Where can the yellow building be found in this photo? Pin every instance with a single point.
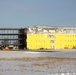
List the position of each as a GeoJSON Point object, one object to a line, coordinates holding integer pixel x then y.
{"type": "Point", "coordinates": [51, 38]}
{"type": "Point", "coordinates": [38, 41]}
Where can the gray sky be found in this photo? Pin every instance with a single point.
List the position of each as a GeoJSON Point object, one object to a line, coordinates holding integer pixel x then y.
{"type": "Point", "coordinates": [23, 13]}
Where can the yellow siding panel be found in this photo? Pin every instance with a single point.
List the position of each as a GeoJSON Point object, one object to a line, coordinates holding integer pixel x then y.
{"type": "Point", "coordinates": [61, 41]}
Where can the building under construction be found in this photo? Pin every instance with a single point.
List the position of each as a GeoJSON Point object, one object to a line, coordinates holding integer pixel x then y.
{"type": "Point", "coordinates": [13, 38]}
{"type": "Point", "coordinates": [50, 37]}
{"type": "Point", "coordinates": [38, 37]}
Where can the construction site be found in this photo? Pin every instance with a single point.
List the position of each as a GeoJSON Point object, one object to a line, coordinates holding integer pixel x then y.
{"type": "Point", "coordinates": [38, 50]}
{"type": "Point", "coordinates": [38, 38]}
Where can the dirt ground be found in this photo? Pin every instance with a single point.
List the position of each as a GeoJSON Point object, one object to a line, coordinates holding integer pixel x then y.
{"type": "Point", "coordinates": [37, 66]}
{"type": "Point", "coordinates": [37, 63]}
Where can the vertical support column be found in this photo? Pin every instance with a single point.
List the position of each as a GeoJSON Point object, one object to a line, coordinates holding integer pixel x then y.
{"type": "Point", "coordinates": [21, 38]}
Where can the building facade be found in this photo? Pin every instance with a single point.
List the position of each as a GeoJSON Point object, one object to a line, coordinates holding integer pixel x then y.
{"type": "Point", "coordinates": [13, 38]}
{"type": "Point", "coordinates": [47, 37]}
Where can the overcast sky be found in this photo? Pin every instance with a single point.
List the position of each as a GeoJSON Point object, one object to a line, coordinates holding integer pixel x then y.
{"type": "Point", "coordinates": [23, 13]}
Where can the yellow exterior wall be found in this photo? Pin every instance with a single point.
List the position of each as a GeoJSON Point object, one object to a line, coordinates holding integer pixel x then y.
{"type": "Point", "coordinates": [58, 41]}
{"type": "Point", "coordinates": [64, 41]}
{"type": "Point", "coordinates": [37, 41]}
